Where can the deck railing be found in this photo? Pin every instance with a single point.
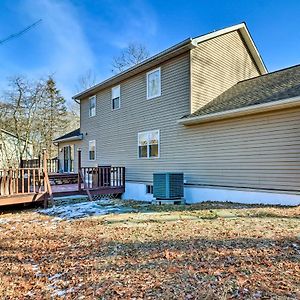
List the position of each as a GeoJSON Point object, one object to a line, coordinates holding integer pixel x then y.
{"type": "Point", "coordinates": [53, 165]}
{"type": "Point", "coordinates": [30, 182]}
{"type": "Point", "coordinates": [30, 163]}
{"type": "Point", "coordinates": [22, 181]}
{"type": "Point", "coordinates": [103, 177]}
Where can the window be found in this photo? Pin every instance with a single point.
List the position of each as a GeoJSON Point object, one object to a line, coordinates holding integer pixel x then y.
{"type": "Point", "coordinates": [115, 97]}
{"type": "Point", "coordinates": [92, 150]}
{"type": "Point", "coordinates": [149, 189]}
{"type": "Point", "coordinates": [92, 106]}
{"type": "Point", "coordinates": [148, 143]}
{"type": "Point", "coordinates": [153, 84]}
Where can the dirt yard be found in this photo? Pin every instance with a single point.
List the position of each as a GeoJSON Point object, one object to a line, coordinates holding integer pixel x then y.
{"type": "Point", "coordinates": [138, 251]}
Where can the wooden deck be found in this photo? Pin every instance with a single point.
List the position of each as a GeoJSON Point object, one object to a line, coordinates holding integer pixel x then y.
{"type": "Point", "coordinates": [72, 189]}
{"type": "Point", "coordinates": [38, 180]}
{"type": "Point", "coordinates": [23, 185]}
{"type": "Point", "coordinates": [24, 198]}
{"type": "Point", "coordinates": [93, 181]}
{"type": "Point", "coordinates": [31, 185]}
{"type": "Point", "coordinates": [63, 178]}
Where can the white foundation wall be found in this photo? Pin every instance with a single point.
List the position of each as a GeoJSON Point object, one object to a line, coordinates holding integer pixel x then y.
{"type": "Point", "coordinates": [137, 191]}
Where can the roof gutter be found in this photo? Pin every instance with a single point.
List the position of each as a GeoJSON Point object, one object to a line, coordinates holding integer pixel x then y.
{"type": "Point", "coordinates": [148, 63]}
{"type": "Point", "coordinates": [253, 109]}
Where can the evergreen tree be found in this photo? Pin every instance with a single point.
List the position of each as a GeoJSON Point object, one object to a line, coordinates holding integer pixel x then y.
{"type": "Point", "coordinates": [53, 116]}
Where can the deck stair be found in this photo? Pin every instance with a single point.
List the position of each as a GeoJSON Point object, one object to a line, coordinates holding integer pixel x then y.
{"type": "Point", "coordinates": [63, 178]}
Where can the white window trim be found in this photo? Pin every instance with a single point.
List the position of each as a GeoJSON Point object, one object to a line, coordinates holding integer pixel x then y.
{"type": "Point", "coordinates": [150, 187]}
{"type": "Point", "coordinates": [90, 98]}
{"type": "Point", "coordinates": [91, 141]}
{"type": "Point", "coordinates": [112, 107]}
{"type": "Point", "coordinates": [148, 73]}
{"type": "Point", "coordinates": [138, 149]}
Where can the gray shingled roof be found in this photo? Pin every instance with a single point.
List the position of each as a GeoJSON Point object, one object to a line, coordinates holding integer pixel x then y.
{"type": "Point", "coordinates": [271, 87]}
{"type": "Point", "coordinates": [73, 133]}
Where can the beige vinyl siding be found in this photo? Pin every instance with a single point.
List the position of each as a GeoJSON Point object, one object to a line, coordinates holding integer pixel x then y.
{"type": "Point", "coordinates": [259, 151]}
{"type": "Point", "coordinates": [218, 64]}
{"type": "Point", "coordinates": [117, 131]}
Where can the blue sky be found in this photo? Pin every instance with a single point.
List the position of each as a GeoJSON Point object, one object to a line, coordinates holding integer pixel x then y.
{"type": "Point", "coordinates": [76, 36]}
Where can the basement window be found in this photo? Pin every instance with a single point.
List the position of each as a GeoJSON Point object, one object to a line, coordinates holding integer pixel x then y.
{"type": "Point", "coordinates": [149, 189]}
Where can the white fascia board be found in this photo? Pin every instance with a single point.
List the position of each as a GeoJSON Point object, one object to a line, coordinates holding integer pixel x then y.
{"type": "Point", "coordinates": [70, 139]}
{"type": "Point", "coordinates": [216, 33]}
{"type": "Point", "coordinates": [253, 109]}
{"type": "Point", "coordinates": [253, 50]}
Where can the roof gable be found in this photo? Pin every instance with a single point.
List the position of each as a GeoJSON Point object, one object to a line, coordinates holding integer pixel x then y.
{"type": "Point", "coordinates": [271, 87]}
{"type": "Point", "coordinates": [173, 51]}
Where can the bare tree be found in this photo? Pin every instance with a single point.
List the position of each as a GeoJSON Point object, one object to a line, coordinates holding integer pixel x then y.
{"type": "Point", "coordinates": [132, 55]}
{"type": "Point", "coordinates": [4, 109]}
{"type": "Point", "coordinates": [73, 116]}
{"type": "Point", "coordinates": [34, 111]}
{"type": "Point", "coordinates": [86, 80]}
{"type": "Point", "coordinates": [23, 98]}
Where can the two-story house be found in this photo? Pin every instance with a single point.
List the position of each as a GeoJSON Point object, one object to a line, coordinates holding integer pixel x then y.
{"type": "Point", "coordinates": [206, 107]}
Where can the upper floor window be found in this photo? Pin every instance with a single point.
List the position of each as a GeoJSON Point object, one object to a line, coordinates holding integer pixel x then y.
{"type": "Point", "coordinates": [115, 97]}
{"type": "Point", "coordinates": [92, 106]}
{"type": "Point", "coordinates": [92, 150]}
{"type": "Point", "coordinates": [148, 143]}
{"type": "Point", "coordinates": [153, 84]}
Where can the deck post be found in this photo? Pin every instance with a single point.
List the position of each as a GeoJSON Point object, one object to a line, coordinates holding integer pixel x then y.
{"type": "Point", "coordinates": [57, 165]}
{"type": "Point", "coordinates": [79, 168]}
{"type": "Point", "coordinates": [21, 162]}
{"type": "Point", "coordinates": [46, 180]}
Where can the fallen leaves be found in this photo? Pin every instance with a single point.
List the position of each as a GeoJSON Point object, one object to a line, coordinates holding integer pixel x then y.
{"type": "Point", "coordinates": [244, 253]}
